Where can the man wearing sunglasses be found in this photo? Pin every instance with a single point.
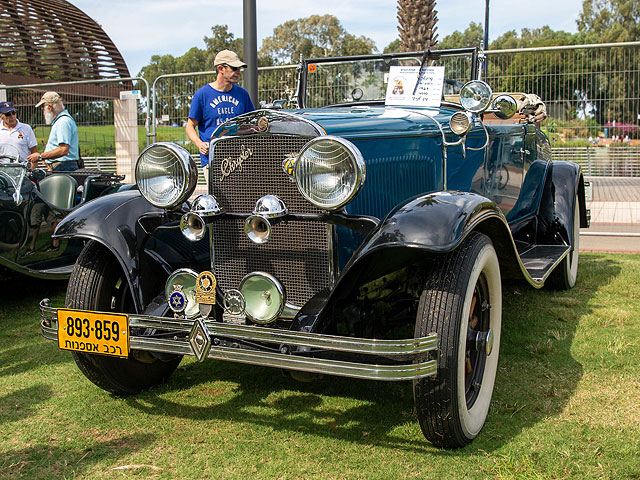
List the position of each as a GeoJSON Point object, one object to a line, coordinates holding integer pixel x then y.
{"type": "Point", "coordinates": [217, 102]}
{"type": "Point", "coordinates": [16, 133]}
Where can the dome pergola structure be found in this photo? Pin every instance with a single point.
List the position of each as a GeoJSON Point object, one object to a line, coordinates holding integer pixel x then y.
{"type": "Point", "coordinates": [52, 40]}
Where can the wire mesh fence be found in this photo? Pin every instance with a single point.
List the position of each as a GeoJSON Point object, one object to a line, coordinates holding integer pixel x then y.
{"type": "Point", "coordinates": [592, 92]}
{"type": "Point", "coordinates": [92, 104]}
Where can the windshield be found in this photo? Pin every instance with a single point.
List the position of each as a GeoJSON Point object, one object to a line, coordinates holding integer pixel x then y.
{"type": "Point", "coordinates": [364, 79]}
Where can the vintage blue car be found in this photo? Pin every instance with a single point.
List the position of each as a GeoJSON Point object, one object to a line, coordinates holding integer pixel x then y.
{"type": "Point", "coordinates": [350, 236]}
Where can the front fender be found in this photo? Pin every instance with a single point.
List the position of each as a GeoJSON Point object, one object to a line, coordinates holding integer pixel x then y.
{"type": "Point", "coordinates": [436, 222]}
{"type": "Point", "coordinates": [113, 221]}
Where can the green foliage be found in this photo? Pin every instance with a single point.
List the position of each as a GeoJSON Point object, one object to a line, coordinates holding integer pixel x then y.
{"type": "Point", "coordinates": [470, 37]}
{"type": "Point", "coordinates": [314, 36]}
{"type": "Point", "coordinates": [610, 20]}
{"type": "Point", "coordinates": [393, 47]}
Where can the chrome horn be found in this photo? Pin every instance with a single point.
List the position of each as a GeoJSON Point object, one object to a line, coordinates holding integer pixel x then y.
{"type": "Point", "coordinates": [257, 227]}
{"type": "Point", "coordinates": [193, 224]}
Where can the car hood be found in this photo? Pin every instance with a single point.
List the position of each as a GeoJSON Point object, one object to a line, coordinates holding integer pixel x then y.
{"type": "Point", "coordinates": [378, 121]}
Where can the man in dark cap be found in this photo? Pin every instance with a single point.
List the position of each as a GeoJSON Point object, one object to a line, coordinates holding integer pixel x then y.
{"type": "Point", "coordinates": [217, 102]}
{"type": "Point", "coordinates": [16, 133]}
{"type": "Point", "coordinates": [62, 151]}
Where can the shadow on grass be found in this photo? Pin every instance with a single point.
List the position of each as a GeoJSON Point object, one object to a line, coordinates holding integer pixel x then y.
{"type": "Point", "coordinates": [22, 346]}
{"type": "Point", "coordinates": [537, 377]}
{"type": "Point", "coordinates": [47, 461]}
{"type": "Point", "coordinates": [22, 403]}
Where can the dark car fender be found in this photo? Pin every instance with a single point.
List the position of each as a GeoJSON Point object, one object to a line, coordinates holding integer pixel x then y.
{"type": "Point", "coordinates": [117, 222]}
{"type": "Point", "coordinates": [568, 184]}
{"type": "Point", "coordinates": [425, 226]}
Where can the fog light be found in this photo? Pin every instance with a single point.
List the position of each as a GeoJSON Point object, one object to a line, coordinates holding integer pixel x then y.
{"type": "Point", "coordinates": [183, 280]}
{"type": "Point", "coordinates": [264, 296]}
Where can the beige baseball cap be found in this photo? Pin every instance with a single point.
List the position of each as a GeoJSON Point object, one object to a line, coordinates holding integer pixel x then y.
{"type": "Point", "coordinates": [49, 98]}
{"type": "Point", "coordinates": [227, 57]}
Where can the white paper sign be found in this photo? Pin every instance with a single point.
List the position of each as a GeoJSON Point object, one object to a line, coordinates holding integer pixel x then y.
{"type": "Point", "coordinates": [165, 117]}
{"type": "Point", "coordinates": [130, 95]}
{"type": "Point", "coordinates": [404, 87]}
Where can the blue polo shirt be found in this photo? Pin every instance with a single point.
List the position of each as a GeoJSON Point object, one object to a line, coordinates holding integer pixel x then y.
{"type": "Point", "coordinates": [63, 130]}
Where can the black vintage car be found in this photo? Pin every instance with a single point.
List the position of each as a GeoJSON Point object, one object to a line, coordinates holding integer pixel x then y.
{"type": "Point", "coordinates": [350, 236]}
{"type": "Point", "coordinates": [32, 203]}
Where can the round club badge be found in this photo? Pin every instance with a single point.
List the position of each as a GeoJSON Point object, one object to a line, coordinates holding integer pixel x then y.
{"type": "Point", "coordinates": [177, 299]}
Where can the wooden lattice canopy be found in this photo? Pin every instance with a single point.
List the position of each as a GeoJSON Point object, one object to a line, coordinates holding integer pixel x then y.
{"type": "Point", "coordinates": [51, 40]}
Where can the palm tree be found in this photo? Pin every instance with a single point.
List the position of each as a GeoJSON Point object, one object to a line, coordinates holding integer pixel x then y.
{"type": "Point", "coordinates": [417, 19]}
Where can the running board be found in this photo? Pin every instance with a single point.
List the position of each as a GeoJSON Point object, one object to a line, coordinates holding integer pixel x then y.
{"type": "Point", "coordinates": [541, 259]}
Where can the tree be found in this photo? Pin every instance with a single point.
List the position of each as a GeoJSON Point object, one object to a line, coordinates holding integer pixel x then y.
{"type": "Point", "coordinates": [610, 20]}
{"type": "Point", "coordinates": [314, 36]}
{"type": "Point", "coordinates": [221, 39]}
{"type": "Point", "coordinates": [417, 19]}
{"type": "Point", "coordinates": [393, 47]}
{"type": "Point", "coordinates": [471, 37]}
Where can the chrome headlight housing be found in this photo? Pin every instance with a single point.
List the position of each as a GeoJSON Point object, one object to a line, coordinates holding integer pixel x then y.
{"type": "Point", "coordinates": [166, 174]}
{"type": "Point", "coordinates": [475, 96]}
{"type": "Point", "coordinates": [460, 123]}
{"type": "Point", "coordinates": [329, 172]}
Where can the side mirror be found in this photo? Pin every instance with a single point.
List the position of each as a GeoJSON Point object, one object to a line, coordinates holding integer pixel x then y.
{"type": "Point", "coordinates": [504, 107]}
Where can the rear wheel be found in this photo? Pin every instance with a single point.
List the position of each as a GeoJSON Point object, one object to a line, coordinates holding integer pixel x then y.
{"type": "Point", "coordinates": [462, 303]}
{"type": "Point", "coordinates": [98, 283]}
{"type": "Point", "coordinates": [565, 275]}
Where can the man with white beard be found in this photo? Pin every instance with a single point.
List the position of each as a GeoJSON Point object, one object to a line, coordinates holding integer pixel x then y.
{"type": "Point", "coordinates": [61, 153]}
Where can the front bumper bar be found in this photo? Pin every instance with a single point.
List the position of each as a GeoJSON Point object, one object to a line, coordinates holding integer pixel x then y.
{"type": "Point", "coordinates": [288, 344]}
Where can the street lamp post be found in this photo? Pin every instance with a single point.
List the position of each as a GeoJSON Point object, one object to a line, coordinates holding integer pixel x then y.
{"type": "Point", "coordinates": [250, 47]}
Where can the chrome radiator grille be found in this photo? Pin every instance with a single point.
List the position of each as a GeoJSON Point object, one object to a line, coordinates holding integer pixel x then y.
{"type": "Point", "coordinates": [297, 253]}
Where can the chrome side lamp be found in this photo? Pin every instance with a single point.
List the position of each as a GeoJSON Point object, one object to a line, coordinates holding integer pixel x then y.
{"type": "Point", "coordinates": [204, 209]}
{"type": "Point", "coordinates": [257, 227]}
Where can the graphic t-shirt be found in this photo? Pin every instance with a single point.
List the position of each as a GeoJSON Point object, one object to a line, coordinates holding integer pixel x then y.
{"type": "Point", "coordinates": [21, 136]}
{"type": "Point", "coordinates": [211, 108]}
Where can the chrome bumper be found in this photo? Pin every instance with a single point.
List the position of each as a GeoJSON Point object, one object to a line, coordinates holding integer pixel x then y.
{"type": "Point", "coordinates": [283, 340]}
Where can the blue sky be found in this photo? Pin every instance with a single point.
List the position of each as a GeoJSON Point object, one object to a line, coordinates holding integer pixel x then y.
{"type": "Point", "coordinates": [141, 28]}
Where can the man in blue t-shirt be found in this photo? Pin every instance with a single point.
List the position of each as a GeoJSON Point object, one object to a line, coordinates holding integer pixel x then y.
{"type": "Point", "coordinates": [217, 102]}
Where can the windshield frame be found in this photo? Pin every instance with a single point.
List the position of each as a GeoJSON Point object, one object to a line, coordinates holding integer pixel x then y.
{"type": "Point", "coordinates": [426, 56]}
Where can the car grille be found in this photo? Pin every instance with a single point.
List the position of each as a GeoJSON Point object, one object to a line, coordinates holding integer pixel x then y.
{"type": "Point", "coordinates": [297, 253]}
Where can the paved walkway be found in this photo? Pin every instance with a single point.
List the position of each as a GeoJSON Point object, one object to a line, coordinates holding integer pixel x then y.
{"type": "Point", "coordinates": [615, 216]}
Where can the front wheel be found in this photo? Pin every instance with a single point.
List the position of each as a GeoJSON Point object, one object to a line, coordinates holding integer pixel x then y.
{"type": "Point", "coordinates": [97, 283]}
{"type": "Point", "coordinates": [462, 303]}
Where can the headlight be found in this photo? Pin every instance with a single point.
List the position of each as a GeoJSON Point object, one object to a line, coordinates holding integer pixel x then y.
{"type": "Point", "coordinates": [475, 96]}
{"type": "Point", "coordinates": [166, 174]}
{"type": "Point", "coordinates": [460, 123]}
{"type": "Point", "coordinates": [329, 172]}
{"type": "Point", "coordinates": [180, 292]}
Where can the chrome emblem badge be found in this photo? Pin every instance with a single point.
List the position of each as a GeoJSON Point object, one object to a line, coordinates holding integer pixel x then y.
{"type": "Point", "coordinates": [289, 165]}
{"type": "Point", "coordinates": [230, 165]}
{"type": "Point", "coordinates": [263, 124]}
{"type": "Point", "coordinates": [206, 288]}
{"type": "Point", "coordinates": [234, 302]}
{"type": "Point", "coordinates": [177, 299]}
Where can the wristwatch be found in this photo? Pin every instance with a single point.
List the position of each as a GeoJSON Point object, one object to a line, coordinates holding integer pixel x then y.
{"type": "Point", "coordinates": [39, 157]}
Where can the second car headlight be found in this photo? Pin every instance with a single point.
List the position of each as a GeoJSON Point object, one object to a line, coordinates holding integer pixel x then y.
{"type": "Point", "coordinates": [475, 96]}
{"type": "Point", "coordinates": [166, 174]}
{"type": "Point", "coordinates": [329, 172]}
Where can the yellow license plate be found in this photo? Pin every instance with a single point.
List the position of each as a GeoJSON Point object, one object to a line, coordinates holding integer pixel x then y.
{"type": "Point", "coordinates": [93, 332]}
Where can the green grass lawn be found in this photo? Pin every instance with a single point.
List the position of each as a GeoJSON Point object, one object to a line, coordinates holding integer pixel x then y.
{"type": "Point", "coordinates": [566, 404]}
{"type": "Point", "coordinates": [100, 140]}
